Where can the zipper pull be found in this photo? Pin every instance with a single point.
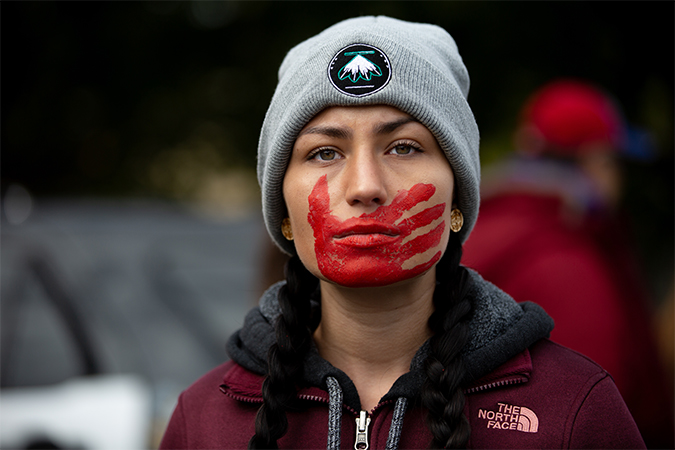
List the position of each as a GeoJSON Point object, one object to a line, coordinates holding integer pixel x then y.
{"type": "Point", "coordinates": [362, 423]}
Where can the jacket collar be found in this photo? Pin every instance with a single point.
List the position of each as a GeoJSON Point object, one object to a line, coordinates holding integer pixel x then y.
{"type": "Point", "coordinates": [244, 385]}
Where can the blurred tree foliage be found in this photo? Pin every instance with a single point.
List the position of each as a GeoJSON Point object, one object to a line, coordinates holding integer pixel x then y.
{"type": "Point", "coordinates": [163, 98]}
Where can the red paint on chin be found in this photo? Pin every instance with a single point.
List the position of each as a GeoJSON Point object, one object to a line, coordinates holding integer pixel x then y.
{"type": "Point", "coordinates": [368, 250]}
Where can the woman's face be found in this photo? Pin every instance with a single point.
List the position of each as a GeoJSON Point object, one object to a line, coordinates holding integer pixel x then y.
{"type": "Point", "coordinates": [369, 194]}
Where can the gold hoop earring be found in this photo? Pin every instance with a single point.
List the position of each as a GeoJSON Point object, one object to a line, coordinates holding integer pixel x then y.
{"type": "Point", "coordinates": [286, 229]}
{"type": "Point", "coordinates": [456, 220]}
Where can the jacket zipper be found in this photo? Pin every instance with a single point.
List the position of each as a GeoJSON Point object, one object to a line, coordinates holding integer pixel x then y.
{"type": "Point", "coordinates": [243, 398]}
{"type": "Point", "coordinates": [314, 398]}
{"type": "Point", "coordinates": [362, 423]}
{"type": "Point", "coordinates": [495, 384]}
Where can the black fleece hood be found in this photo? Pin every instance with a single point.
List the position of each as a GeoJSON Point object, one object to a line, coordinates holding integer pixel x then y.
{"type": "Point", "coordinates": [500, 329]}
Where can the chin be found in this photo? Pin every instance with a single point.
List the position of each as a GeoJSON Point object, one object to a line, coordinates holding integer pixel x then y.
{"type": "Point", "coordinates": [372, 272]}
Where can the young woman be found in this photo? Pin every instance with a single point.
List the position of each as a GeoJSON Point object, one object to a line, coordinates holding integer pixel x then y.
{"type": "Point", "coordinates": [378, 338]}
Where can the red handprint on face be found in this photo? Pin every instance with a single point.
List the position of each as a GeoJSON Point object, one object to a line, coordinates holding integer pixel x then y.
{"type": "Point", "coordinates": [369, 250]}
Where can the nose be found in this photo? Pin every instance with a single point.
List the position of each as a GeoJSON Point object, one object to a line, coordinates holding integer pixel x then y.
{"type": "Point", "coordinates": [365, 180]}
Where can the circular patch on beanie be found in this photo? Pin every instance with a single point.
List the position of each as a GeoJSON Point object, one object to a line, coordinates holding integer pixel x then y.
{"type": "Point", "coordinates": [359, 69]}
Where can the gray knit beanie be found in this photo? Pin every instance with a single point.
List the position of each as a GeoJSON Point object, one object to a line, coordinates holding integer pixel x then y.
{"type": "Point", "coordinates": [365, 61]}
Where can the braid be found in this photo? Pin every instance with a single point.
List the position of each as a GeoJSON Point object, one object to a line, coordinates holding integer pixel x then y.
{"type": "Point", "coordinates": [442, 393]}
{"type": "Point", "coordinates": [285, 358]}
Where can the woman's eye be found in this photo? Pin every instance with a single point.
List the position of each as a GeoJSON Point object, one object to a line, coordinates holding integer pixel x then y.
{"type": "Point", "coordinates": [403, 149]}
{"type": "Point", "coordinates": [325, 155]}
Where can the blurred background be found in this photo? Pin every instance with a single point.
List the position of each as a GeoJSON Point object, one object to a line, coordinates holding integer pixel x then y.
{"type": "Point", "coordinates": [132, 241]}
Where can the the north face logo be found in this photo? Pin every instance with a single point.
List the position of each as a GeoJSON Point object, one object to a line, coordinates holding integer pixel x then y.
{"type": "Point", "coordinates": [510, 417]}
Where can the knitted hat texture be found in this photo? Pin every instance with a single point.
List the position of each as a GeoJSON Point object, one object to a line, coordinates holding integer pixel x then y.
{"type": "Point", "coordinates": [369, 61]}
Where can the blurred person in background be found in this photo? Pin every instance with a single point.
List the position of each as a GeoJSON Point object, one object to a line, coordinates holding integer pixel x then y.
{"type": "Point", "coordinates": [551, 231]}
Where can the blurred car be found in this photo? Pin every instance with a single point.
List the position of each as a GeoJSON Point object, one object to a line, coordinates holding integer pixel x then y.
{"type": "Point", "coordinates": [109, 309]}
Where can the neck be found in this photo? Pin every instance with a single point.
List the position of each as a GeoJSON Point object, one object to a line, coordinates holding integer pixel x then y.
{"type": "Point", "coordinates": [386, 326]}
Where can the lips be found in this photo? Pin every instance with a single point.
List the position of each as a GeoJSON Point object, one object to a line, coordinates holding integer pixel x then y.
{"type": "Point", "coordinates": [365, 233]}
{"type": "Point", "coordinates": [369, 250]}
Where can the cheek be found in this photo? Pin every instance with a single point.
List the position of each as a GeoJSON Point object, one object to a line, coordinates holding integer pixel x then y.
{"type": "Point", "coordinates": [297, 208]}
{"type": "Point", "coordinates": [304, 246]}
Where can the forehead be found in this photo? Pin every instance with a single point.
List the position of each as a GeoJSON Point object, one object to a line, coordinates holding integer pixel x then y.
{"type": "Point", "coordinates": [343, 122]}
{"type": "Point", "coordinates": [358, 114]}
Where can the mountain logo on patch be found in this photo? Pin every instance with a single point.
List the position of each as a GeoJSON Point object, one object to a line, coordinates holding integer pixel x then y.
{"type": "Point", "coordinates": [359, 70]}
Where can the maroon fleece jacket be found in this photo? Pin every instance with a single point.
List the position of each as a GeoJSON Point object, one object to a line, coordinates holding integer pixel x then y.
{"type": "Point", "coordinates": [523, 391]}
{"type": "Point", "coordinates": [545, 397]}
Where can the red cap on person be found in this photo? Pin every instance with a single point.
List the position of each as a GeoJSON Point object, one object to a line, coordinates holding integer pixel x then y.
{"type": "Point", "coordinates": [570, 117]}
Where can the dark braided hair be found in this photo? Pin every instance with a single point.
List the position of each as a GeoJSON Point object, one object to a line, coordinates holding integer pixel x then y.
{"type": "Point", "coordinates": [285, 359]}
{"type": "Point", "coordinates": [442, 393]}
